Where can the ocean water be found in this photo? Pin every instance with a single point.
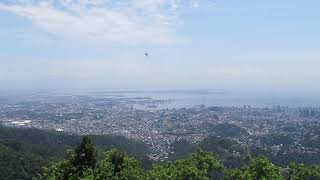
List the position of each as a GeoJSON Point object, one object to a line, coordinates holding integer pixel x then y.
{"type": "Point", "coordinates": [181, 99]}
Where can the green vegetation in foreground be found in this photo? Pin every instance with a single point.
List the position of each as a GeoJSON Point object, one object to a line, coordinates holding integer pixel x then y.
{"type": "Point", "coordinates": [23, 152]}
{"type": "Point", "coordinates": [82, 163]}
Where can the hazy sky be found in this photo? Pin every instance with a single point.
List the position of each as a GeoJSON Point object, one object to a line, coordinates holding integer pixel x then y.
{"type": "Point", "coordinates": [250, 44]}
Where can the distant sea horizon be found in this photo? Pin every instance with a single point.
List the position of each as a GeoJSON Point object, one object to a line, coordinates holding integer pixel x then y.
{"type": "Point", "coordinates": [182, 98]}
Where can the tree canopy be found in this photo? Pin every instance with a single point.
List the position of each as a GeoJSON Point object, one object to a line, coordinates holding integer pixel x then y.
{"type": "Point", "coordinates": [82, 163]}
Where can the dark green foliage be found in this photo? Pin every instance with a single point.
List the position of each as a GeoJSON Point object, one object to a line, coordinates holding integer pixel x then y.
{"type": "Point", "coordinates": [23, 152]}
{"type": "Point", "coordinates": [262, 168]}
{"type": "Point", "coordinates": [227, 130]}
{"type": "Point", "coordinates": [312, 138]}
{"type": "Point", "coordinates": [117, 165]}
{"type": "Point", "coordinates": [237, 174]}
{"type": "Point", "coordinates": [286, 155]}
{"type": "Point", "coordinates": [131, 147]}
{"type": "Point", "coordinates": [229, 151]}
{"type": "Point", "coordinates": [200, 165]}
{"type": "Point", "coordinates": [81, 161]}
{"type": "Point", "coordinates": [220, 145]}
{"type": "Point", "coordinates": [300, 171]}
{"type": "Point", "coordinates": [277, 139]}
{"type": "Point", "coordinates": [85, 157]}
{"type": "Point", "coordinates": [257, 169]}
{"type": "Point", "coordinates": [19, 160]}
{"type": "Point", "coordinates": [182, 149]}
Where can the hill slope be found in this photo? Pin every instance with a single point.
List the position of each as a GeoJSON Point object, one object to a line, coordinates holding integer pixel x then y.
{"type": "Point", "coordinates": [24, 151]}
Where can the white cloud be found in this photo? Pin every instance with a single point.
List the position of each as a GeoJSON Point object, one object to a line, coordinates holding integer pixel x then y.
{"type": "Point", "coordinates": [195, 3]}
{"type": "Point", "coordinates": [211, 4]}
{"type": "Point", "coordinates": [128, 21]}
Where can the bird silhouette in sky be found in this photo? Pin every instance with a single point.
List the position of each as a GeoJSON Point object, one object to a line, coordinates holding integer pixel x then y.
{"type": "Point", "coordinates": [146, 54]}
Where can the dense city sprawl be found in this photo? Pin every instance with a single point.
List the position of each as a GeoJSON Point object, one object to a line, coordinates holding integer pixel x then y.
{"type": "Point", "coordinates": [278, 130]}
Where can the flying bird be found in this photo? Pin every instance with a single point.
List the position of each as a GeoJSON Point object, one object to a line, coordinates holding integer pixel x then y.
{"type": "Point", "coordinates": [147, 54]}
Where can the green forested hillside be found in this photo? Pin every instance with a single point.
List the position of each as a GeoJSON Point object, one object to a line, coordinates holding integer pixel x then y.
{"type": "Point", "coordinates": [24, 151]}
{"type": "Point", "coordinates": [82, 163]}
{"type": "Point", "coordinates": [229, 151]}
